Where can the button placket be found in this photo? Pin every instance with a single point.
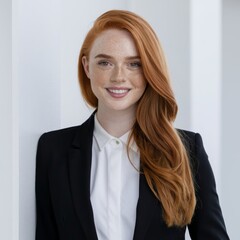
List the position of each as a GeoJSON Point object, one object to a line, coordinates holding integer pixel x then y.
{"type": "Point", "coordinates": [114, 186]}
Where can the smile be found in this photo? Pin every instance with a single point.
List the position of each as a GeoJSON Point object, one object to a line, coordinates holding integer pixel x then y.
{"type": "Point", "coordinates": [118, 92]}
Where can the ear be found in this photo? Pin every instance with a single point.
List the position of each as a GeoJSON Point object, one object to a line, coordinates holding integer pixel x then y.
{"type": "Point", "coordinates": [85, 64]}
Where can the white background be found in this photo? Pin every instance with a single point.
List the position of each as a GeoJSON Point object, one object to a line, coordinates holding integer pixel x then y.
{"type": "Point", "coordinates": [39, 46]}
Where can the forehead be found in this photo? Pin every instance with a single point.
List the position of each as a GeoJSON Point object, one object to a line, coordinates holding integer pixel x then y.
{"type": "Point", "coordinates": [114, 41]}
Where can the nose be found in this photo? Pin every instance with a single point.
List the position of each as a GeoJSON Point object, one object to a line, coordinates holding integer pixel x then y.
{"type": "Point", "coordinates": [118, 74]}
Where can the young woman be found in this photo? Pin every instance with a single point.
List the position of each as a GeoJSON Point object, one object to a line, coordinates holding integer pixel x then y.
{"type": "Point", "coordinates": [126, 173]}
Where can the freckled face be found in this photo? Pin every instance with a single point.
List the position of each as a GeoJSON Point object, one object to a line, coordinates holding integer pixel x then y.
{"type": "Point", "coordinates": [115, 72]}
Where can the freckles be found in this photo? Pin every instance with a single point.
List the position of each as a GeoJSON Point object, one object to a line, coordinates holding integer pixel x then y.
{"type": "Point", "coordinates": [140, 81]}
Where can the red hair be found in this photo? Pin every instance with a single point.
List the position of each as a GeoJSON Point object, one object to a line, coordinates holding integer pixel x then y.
{"type": "Point", "coordinates": [164, 159]}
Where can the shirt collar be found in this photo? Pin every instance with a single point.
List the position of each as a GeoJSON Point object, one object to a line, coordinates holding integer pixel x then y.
{"type": "Point", "coordinates": [100, 134]}
{"type": "Point", "coordinates": [103, 137]}
{"type": "Point", "coordinates": [124, 139]}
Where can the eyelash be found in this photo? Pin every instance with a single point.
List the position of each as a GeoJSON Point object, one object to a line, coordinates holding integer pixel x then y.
{"type": "Point", "coordinates": [136, 64]}
{"type": "Point", "coordinates": [103, 63]}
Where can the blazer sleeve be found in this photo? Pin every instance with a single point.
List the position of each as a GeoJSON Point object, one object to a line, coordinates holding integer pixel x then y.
{"type": "Point", "coordinates": [46, 228]}
{"type": "Point", "coordinates": [207, 222]}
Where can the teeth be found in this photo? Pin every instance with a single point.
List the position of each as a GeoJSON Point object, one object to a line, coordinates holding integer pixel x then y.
{"type": "Point", "coordinates": [118, 91]}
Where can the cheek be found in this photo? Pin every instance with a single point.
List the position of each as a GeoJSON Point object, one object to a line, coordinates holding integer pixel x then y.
{"type": "Point", "coordinates": [141, 84]}
{"type": "Point", "coordinates": [97, 76]}
{"type": "Point", "coordinates": [97, 83]}
{"type": "Point", "coordinates": [143, 88]}
{"type": "Point", "coordinates": [94, 85]}
{"type": "Point", "coordinates": [138, 79]}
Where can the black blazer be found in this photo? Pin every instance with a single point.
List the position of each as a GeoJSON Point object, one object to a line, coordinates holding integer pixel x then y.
{"type": "Point", "coordinates": [64, 209]}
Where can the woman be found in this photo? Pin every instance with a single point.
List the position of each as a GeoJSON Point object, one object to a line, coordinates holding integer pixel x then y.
{"type": "Point", "coordinates": [125, 173]}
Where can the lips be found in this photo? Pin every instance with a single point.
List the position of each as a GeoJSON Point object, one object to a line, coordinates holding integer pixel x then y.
{"type": "Point", "coordinates": [118, 92]}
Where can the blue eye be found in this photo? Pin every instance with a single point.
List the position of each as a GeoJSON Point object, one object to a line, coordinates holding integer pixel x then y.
{"type": "Point", "coordinates": [136, 64]}
{"type": "Point", "coordinates": [103, 63]}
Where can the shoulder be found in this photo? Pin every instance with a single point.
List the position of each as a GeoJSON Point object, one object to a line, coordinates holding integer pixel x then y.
{"type": "Point", "coordinates": [192, 141]}
{"type": "Point", "coordinates": [58, 137]}
{"type": "Point", "coordinates": [199, 162]}
{"type": "Point", "coordinates": [63, 138]}
{"type": "Point", "coordinates": [195, 148]}
{"type": "Point", "coordinates": [55, 144]}
{"type": "Point", "coordinates": [68, 134]}
{"type": "Point", "coordinates": [59, 133]}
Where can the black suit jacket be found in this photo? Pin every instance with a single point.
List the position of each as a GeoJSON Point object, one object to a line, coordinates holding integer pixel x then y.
{"type": "Point", "coordinates": [64, 209]}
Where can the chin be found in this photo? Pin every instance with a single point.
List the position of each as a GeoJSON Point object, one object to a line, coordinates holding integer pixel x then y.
{"type": "Point", "coordinates": [122, 108]}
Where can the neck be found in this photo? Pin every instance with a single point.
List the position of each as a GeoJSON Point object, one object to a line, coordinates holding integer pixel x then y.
{"type": "Point", "coordinates": [116, 123]}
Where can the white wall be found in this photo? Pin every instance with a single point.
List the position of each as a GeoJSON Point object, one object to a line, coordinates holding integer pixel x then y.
{"type": "Point", "coordinates": [206, 77]}
{"type": "Point", "coordinates": [6, 139]}
{"type": "Point", "coordinates": [38, 68]}
{"type": "Point", "coordinates": [39, 89]}
{"type": "Point", "coordinates": [231, 116]}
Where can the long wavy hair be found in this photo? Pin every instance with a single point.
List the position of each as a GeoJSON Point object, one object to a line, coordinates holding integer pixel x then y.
{"type": "Point", "coordinates": [163, 156]}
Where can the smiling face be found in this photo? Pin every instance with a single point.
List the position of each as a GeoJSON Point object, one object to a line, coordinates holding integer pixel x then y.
{"type": "Point", "coordinates": [114, 69]}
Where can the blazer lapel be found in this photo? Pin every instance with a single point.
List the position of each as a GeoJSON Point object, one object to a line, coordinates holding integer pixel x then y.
{"type": "Point", "coordinates": [79, 172]}
{"type": "Point", "coordinates": [146, 207]}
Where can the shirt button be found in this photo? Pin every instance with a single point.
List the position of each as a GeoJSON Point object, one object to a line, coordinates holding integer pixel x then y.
{"type": "Point", "coordinates": [115, 143]}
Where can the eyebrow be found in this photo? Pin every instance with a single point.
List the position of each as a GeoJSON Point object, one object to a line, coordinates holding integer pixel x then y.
{"type": "Point", "coordinates": [110, 57]}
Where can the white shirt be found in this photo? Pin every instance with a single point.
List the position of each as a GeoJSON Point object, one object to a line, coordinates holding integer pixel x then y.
{"type": "Point", "coordinates": [114, 186]}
